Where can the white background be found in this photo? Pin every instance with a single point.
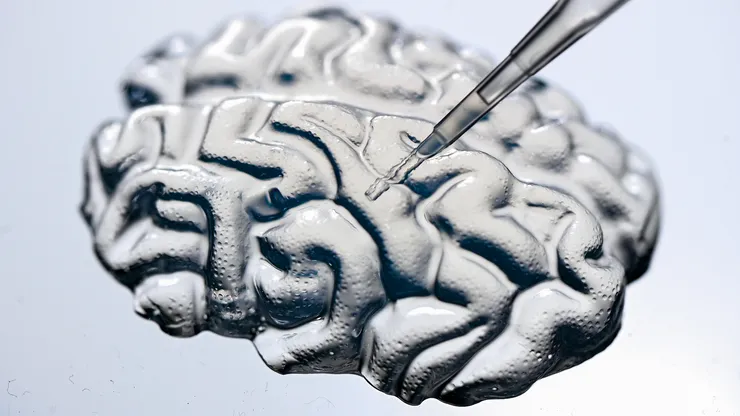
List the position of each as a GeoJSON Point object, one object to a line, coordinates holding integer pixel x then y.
{"type": "Point", "coordinates": [664, 73]}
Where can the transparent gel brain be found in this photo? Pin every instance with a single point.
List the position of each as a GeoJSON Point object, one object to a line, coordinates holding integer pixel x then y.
{"type": "Point", "coordinates": [231, 199]}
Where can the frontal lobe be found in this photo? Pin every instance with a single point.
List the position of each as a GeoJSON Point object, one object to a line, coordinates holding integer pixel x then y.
{"type": "Point", "coordinates": [232, 200]}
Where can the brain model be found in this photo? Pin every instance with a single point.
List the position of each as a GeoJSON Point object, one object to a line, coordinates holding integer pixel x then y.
{"type": "Point", "coordinates": [232, 200]}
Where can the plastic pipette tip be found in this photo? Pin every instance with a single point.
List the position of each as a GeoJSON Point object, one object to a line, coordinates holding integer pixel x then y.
{"type": "Point", "coordinates": [377, 189]}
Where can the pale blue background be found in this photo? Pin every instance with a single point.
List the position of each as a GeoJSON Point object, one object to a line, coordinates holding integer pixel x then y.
{"type": "Point", "coordinates": [72, 345]}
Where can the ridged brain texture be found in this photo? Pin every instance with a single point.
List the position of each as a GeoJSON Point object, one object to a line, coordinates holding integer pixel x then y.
{"type": "Point", "coordinates": [232, 200]}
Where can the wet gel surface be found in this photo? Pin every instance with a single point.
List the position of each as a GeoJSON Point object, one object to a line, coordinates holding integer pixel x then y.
{"type": "Point", "coordinates": [231, 199]}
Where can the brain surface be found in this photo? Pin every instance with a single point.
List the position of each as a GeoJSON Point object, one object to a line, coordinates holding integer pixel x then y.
{"type": "Point", "coordinates": [232, 200]}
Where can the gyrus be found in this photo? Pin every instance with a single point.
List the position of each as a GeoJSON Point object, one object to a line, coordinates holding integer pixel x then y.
{"type": "Point", "coordinates": [231, 199]}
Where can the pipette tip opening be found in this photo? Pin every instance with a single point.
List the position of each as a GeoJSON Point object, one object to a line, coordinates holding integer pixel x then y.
{"type": "Point", "coordinates": [377, 189]}
{"type": "Point", "coordinates": [396, 175]}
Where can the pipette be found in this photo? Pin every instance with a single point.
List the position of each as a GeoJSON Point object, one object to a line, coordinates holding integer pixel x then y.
{"type": "Point", "coordinates": [565, 23]}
